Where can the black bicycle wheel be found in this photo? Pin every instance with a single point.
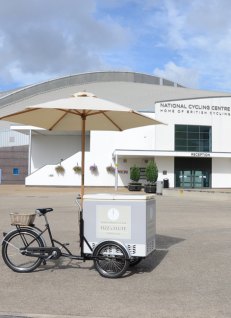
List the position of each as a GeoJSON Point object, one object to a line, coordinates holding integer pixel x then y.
{"type": "Point", "coordinates": [13, 246]}
{"type": "Point", "coordinates": [111, 259]}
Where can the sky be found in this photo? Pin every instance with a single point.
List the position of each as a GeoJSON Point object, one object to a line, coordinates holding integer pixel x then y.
{"type": "Point", "coordinates": [186, 41]}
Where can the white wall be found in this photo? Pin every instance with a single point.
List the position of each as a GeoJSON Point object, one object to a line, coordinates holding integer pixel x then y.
{"type": "Point", "coordinates": [10, 138]}
{"type": "Point", "coordinates": [165, 164]}
{"type": "Point", "coordinates": [142, 138]}
{"type": "Point", "coordinates": [221, 176]}
{"type": "Point", "coordinates": [51, 149]}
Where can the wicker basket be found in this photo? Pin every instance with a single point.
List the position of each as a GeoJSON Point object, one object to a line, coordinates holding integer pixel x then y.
{"type": "Point", "coordinates": [22, 219]}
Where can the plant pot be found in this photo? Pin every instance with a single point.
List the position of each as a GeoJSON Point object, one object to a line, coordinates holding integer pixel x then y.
{"type": "Point", "coordinates": [150, 188]}
{"type": "Point", "coordinates": [77, 169]}
{"type": "Point", "coordinates": [134, 186]}
{"type": "Point", "coordinates": [60, 170]}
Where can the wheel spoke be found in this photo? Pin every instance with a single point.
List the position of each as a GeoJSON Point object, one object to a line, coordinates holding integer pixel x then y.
{"type": "Point", "coordinates": [12, 250]}
{"type": "Point", "coordinates": [118, 265]}
{"type": "Point", "coordinates": [111, 260]}
{"type": "Point", "coordinates": [15, 247]}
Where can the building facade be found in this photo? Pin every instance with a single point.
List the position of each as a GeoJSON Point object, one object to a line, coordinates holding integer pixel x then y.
{"type": "Point", "coordinates": [192, 148]}
{"type": "Point", "coordinates": [13, 156]}
{"type": "Point", "coordinates": [13, 164]}
{"type": "Point", "coordinates": [199, 130]}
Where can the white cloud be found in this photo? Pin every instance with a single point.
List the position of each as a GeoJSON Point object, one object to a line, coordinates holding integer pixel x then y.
{"type": "Point", "coordinates": [180, 75]}
{"type": "Point", "coordinates": [51, 38]}
{"type": "Point", "coordinates": [196, 35]}
{"type": "Point", "coordinates": [185, 41]}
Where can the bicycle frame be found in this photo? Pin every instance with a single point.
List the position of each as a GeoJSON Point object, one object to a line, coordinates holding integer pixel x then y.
{"type": "Point", "coordinates": [40, 233]}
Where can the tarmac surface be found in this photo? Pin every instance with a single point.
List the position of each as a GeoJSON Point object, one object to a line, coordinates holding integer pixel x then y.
{"type": "Point", "coordinates": [188, 276]}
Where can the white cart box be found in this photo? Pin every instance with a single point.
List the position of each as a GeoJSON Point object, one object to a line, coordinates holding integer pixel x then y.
{"type": "Point", "coordinates": [128, 219]}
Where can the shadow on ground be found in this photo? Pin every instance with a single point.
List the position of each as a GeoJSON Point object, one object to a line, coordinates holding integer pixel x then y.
{"type": "Point", "coordinates": [148, 264]}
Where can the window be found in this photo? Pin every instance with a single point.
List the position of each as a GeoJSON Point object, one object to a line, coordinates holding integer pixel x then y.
{"type": "Point", "coordinates": [16, 171]}
{"type": "Point", "coordinates": [193, 138]}
{"type": "Point", "coordinates": [142, 173]}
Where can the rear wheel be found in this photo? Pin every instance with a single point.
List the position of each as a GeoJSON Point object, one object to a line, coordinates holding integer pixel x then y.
{"type": "Point", "coordinates": [14, 246]}
{"type": "Point", "coordinates": [111, 259]}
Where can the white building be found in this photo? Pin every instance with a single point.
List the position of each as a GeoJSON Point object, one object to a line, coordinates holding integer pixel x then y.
{"type": "Point", "coordinates": [192, 149]}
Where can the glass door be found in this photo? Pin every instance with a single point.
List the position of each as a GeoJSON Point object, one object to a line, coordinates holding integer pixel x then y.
{"type": "Point", "coordinates": [184, 179]}
{"type": "Point", "coordinates": [179, 178]}
{"type": "Point", "coordinates": [197, 179]}
{"type": "Point", "coordinates": [192, 172]}
{"type": "Point", "coordinates": [192, 179]}
{"type": "Point", "coordinates": [187, 179]}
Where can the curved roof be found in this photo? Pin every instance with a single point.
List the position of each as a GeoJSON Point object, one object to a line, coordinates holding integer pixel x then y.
{"type": "Point", "coordinates": [134, 90]}
{"type": "Point", "coordinates": [94, 77]}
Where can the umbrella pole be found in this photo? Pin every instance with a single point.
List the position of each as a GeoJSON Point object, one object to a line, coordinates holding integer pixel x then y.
{"type": "Point", "coordinates": [83, 158]}
{"type": "Point", "coordinates": [81, 222]}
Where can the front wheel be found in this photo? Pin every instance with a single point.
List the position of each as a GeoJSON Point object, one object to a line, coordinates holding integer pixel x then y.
{"type": "Point", "coordinates": [13, 247]}
{"type": "Point", "coordinates": [111, 259]}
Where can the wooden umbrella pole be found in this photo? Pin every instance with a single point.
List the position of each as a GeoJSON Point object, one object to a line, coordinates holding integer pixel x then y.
{"type": "Point", "coordinates": [83, 158]}
{"type": "Point", "coordinates": [81, 222]}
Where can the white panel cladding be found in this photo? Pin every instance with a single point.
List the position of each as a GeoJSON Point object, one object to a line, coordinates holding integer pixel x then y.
{"type": "Point", "coordinates": [52, 149]}
{"type": "Point", "coordinates": [10, 138]}
{"type": "Point", "coordinates": [221, 172]}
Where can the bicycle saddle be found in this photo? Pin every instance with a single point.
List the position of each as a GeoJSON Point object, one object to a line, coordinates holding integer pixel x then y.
{"type": "Point", "coordinates": [43, 211]}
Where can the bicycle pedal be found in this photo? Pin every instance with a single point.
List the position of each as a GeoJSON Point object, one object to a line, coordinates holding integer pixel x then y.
{"type": "Point", "coordinates": [44, 262]}
{"type": "Point", "coordinates": [66, 244]}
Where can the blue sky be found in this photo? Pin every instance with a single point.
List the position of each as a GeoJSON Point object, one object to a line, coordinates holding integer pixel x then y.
{"type": "Point", "coordinates": [187, 41]}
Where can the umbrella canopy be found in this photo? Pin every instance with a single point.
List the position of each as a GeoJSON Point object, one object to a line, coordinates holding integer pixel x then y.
{"type": "Point", "coordinates": [84, 112]}
{"type": "Point", "coordinates": [67, 114]}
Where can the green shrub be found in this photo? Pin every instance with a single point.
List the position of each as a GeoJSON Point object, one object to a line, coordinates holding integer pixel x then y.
{"type": "Point", "coordinates": [151, 172]}
{"type": "Point", "coordinates": [135, 173]}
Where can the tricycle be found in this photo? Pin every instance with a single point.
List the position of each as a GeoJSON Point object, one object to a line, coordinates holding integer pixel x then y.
{"type": "Point", "coordinates": [24, 248]}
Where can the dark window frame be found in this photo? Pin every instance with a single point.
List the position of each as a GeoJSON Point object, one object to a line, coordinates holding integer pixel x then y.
{"type": "Point", "coordinates": [16, 171]}
{"type": "Point", "coordinates": [193, 138]}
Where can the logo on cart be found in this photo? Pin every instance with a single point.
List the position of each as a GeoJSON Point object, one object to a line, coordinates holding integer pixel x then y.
{"type": "Point", "coordinates": [113, 214]}
{"type": "Point", "coordinates": [113, 221]}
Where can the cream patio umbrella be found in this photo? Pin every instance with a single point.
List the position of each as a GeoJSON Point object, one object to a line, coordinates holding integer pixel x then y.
{"type": "Point", "coordinates": [81, 112]}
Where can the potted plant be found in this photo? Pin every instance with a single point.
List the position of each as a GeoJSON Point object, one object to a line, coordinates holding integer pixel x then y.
{"type": "Point", "coordinates": [60, 169]}
{"type": "Point", "coordinates": [94, 169]}
{"type": "Point", "coordinates": [110, 169]}
{"type": "Point", "coordinates": [151, 177]}
{"type": "Point", "coordinates": [135, 177]}
{"type": "Point", "coordinates": [77, 169]}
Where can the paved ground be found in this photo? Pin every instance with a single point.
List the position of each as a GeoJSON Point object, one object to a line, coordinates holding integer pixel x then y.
{"type": "Point", "coordinates": [189, 275]}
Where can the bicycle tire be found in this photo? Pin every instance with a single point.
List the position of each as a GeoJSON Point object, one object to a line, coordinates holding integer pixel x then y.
{"type": "Point", "coordinates": [13, 245]}
{"type": "Point", "coordinates": [111, 259]}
